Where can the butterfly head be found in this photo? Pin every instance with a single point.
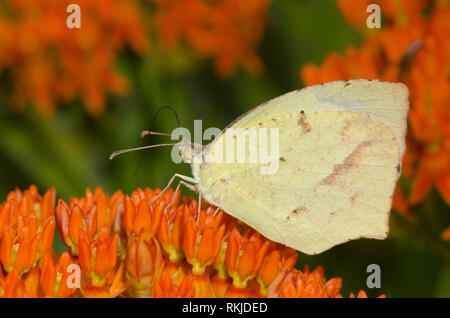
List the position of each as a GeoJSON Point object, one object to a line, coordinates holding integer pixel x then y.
{"type": "Point", "coordinates": [191, 152]}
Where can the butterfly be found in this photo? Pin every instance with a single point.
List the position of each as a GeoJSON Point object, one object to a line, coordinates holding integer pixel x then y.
{"type": "Point", "coordinates": [339, 152]}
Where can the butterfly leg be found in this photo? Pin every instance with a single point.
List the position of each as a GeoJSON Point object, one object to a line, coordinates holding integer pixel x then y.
{"type": "Point", "coordinates": [217, 210]}
{"type": "Point", "coordinates": [199, 205]}
{"type": "Point", "coordinates": [182, 177]}
{"type": "Point", "coordinates": [208, 210]}
{"type": "Point", "coordinates": [187, 185]}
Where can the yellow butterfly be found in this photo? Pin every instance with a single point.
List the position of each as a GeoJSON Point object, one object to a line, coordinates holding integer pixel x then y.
{"type": "Point", "coordinates": [340, 148]}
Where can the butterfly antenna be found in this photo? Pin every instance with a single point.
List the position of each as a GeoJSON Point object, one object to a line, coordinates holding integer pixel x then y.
{"type": "Point", "coordinates": [149, 132]}
{"type": "Point", "coordinates": [172, 109]}
{"type": "Point", "coordinates": [119, 152]}
{"type": "Point", "coordinates": [145, 133]}
{"type": "Point", "coordinates": [409, 54]}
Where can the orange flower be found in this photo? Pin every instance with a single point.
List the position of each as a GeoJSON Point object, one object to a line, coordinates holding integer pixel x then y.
{"type": "Point", "coordinates": [27, 203]}
{"type": "Point", "coordinates": [54, 279]}
{"type": "Point", "coordinates": [306, 284]}
{"type": "Point", "coordinates": [244, 256]}
{"type": "Point", "coordinates": [21, 246]}
{"type": "Point", "coordinates": [27, 225]}
{"type": "Point", "coordinates": [31, 283]}
{"type": "Point", "coordinates": [202, 286]}
{"type": "Point", "coordinates": [446, 234]}
{"type": "Point", "coordinates": [165, 288]}
{"type": "Point", "coordinates": [220, 286]}
{"type": "Point", "coordinates": [169, 250]}
{"type": "Point", "coordinates": [143, 219]}
{"type": "Point", "coordinates": [71, 223]}
{"type": "Point", "coordinates": [202, 241]}
{"type": "Point", "coordinates": [98, 258]}
{"type": "Point", "coordinates": [170, 233]}
{"type": "Point", "coordinates": [227, 31]}
{"type": "Point", "coordinates": [276, 261]}
{"type": "Point", "coordinates": [363, 294]}
{"type": "Point", "coordinates": [88, 214]}
{"type": "Point", "coordinates": [14, 287]}
{"type": "Point", "coordinates": [144, 263]}
{"type": "Point", "coordinates": [112, 290]}
{"type": "Point", "coordinates": [105, 207]}
{"type": "Point", "coordinates": [11, 286]}
{"type": "Point", "coordinates": [397, 12]}
{"type": "Point", "coordinates": [54, 63]}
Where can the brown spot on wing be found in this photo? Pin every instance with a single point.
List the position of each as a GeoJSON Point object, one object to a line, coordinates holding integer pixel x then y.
{"type": "Point", "coordinates": [302, 122]}
{"type": "Point", "coordinates": [334, 214]}
{"type": "Point", "coordinates": [352, 159]}
{"type": "Point", "coordinates": [354, 197]}
{"type": "Point", "coordinates": [300, 210]}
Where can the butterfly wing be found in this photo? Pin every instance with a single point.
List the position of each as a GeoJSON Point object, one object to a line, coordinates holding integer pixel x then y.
{"type": "Point", "coordinates": [340, 151]}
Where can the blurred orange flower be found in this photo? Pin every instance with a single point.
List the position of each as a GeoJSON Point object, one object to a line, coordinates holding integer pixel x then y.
{"type": "Point", "coordinates": [227, 30]}
{"type": "Point", "coordinates": [155, 247]}
{"type": "Point", "coordinates": [50, 63]}
{"type": "Point", "coordinates": [446, 234]}
{"type": "Point", "coordinates": [412, 47]}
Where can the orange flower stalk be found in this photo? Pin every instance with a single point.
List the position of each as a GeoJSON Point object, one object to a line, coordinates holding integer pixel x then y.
{"type": "Point", "coordinates": [167, 250]}
{"type": "Point", "coordinates": [411, 47]}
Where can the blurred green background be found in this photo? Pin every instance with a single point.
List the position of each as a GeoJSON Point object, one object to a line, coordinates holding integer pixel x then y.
{"type": "Point", "coordinates": [70, 149]}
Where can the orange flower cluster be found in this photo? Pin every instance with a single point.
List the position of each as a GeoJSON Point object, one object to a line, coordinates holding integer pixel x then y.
{"type": "Point", "coordinates": [226, 30]}
{"type": "Point", "coordinates": [142, 245]}
{"type": "Point", "coordinates": [412, 47]}
{"type": "Point", "coordinates": [49, 63]}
